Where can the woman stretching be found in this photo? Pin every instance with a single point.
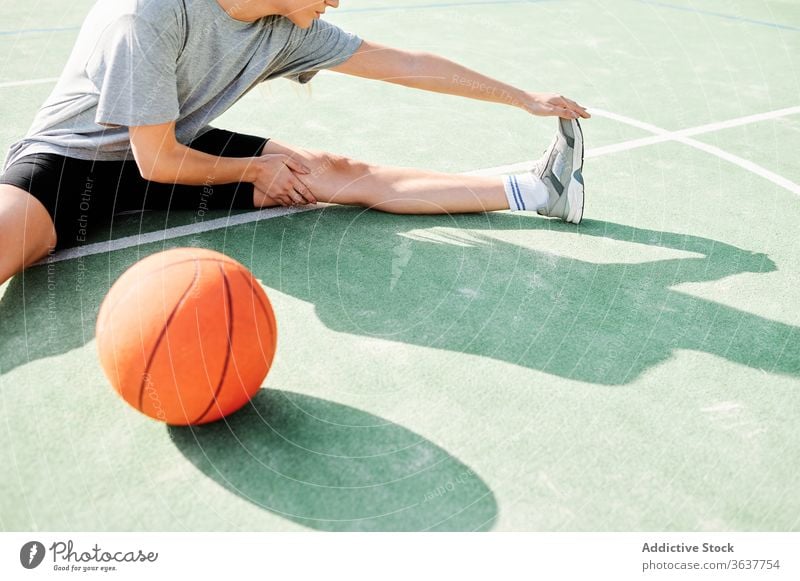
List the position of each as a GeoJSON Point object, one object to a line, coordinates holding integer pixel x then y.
{"type": "Point", "coordinates": [126, 127]}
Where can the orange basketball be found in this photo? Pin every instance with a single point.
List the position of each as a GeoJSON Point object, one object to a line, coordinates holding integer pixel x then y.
{"type": "Point", "coordinates": [186, 336]}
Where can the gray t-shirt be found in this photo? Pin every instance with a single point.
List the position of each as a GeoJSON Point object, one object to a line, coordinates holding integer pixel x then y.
{"type": "Point", "coordinates": [146, 62]}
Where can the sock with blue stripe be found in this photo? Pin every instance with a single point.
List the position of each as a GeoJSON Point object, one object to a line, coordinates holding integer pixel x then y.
{"type": "Point", "coordinates": [525, 192]}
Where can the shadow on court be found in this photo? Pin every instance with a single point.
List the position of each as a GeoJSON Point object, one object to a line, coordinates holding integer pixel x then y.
{"type": "Point", "coordinates": [459, 288]}
{"type": "Point", "coordinates": [491, 285]}
{"type": "Point", "coordinates": [450, 283]}
{"type": "Point", "coordinates": [332, 467]}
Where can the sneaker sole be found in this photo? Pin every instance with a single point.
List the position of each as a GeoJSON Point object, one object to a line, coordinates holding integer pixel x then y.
{"type": "Point", "coordinates": [575, 190]}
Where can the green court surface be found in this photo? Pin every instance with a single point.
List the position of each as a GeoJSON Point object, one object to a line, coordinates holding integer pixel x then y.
{"type": "Point", "coordinates": [486, 372]}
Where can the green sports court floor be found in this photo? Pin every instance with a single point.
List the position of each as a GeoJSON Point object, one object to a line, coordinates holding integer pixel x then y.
{"type": "Point", "coordinates": [484, 372]}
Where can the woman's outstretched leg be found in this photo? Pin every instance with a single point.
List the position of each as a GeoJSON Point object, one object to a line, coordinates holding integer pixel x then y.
{"type": "Point", "coordinates": [554, 187]}
{"type": "Point", "coordinates": [340, 180]}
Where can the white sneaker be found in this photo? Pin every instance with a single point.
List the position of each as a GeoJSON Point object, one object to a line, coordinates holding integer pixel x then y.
{"type": "Point", "coordinates": [561, 169]}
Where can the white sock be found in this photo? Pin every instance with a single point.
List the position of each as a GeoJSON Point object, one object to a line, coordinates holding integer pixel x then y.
{"type": "Point", "coordinates": [525, 192]}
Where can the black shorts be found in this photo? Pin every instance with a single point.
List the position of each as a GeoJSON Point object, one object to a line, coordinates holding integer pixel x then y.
{"type": "Point", "coordinates": [84, 195]}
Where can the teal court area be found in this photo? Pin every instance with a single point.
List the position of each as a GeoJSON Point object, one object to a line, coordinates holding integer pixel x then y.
{"type": "Point", "coordinates": [487, 372]}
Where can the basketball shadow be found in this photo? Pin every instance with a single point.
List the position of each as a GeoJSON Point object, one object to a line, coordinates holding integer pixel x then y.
{"type": "Point", "coordinates": [332, 467]}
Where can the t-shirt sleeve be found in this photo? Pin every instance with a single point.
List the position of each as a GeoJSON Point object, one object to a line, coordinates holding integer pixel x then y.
{"type": "Point", "coordinates": [133, 68]}
{"type": "Point", "coordinates": [321, 46]}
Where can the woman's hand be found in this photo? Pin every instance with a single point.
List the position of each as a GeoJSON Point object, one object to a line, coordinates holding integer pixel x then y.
{"type": "Point", "coordinates": [277, 179]}
{"type": "Point", "coordinates": [552, 105]}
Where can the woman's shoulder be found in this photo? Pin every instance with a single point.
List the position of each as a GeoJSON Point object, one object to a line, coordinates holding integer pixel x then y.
{"type": "Point", "coordinates": [158, 10]}
{"type": "Point", "coordinates": [151, 10]}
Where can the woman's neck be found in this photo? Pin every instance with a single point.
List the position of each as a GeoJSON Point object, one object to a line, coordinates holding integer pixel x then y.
{"type": "Point", "coordinates": [248, 10]}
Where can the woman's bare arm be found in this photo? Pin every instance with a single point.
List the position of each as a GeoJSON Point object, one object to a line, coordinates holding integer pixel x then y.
{"type": "Point", "coordinates": [430, 72]}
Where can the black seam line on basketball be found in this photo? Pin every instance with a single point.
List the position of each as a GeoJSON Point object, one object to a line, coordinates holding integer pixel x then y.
{"type": "Point", "coordinates": [164, 267]}
{"type": "Point", "coordinates": [164, 332]}
{"type": "Point", "coordinates": [270, 318]}
{"type": "Point", "coordinates": [228, 293]}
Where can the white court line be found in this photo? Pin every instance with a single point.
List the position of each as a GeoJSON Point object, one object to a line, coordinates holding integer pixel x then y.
{"type": "Point", "coordinates": [738, 122]}
{"type": "Point", "coordinates": [744, 164]}
{"type": "Point", "coordinates": [175, 232]}
{"type": "Point", "coordinates": [661, 135]}
{"type": "Point", "coordinates": [28, 82]}
{"type": "Point", "coordinates": [681, 137]}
